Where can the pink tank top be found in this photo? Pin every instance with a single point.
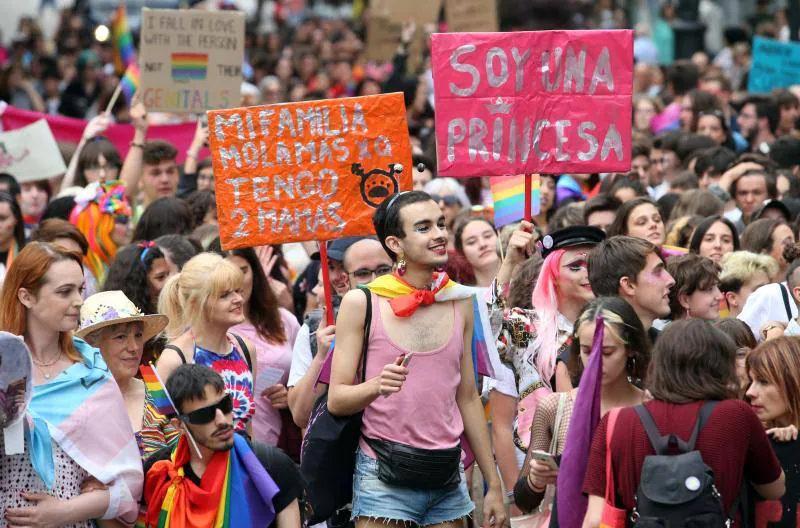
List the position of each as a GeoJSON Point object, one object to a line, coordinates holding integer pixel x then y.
{"type": "Point", "coordinates": [424, 413]}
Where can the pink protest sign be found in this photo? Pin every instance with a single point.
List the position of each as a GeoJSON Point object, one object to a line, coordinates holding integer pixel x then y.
{"type": "Point", "coordinates": [533, 102]}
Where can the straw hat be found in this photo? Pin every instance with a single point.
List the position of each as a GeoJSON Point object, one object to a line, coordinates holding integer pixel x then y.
{"type": "Point", "coordinates": [110, 308]}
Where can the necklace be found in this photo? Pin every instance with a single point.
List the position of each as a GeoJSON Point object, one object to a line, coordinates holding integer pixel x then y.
{"type": "Point", "coordinates": [45, 364]}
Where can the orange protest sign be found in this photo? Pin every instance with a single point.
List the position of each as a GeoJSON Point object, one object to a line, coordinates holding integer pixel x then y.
{"type": "Point", "coordinates": [307, 171]}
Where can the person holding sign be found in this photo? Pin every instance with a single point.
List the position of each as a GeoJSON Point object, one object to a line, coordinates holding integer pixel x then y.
{"type": "Point", "coordinates": [420, 393]}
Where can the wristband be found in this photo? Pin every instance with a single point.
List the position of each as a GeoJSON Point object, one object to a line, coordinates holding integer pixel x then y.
{"type": "Point", "coordinates": [138, 145]}
{"type": "Point", "coordinates": [191, 155]}
{"type": "Point", "coordinates": [534, 488]}
{"type": "Point", "coordinates": [510, 494]}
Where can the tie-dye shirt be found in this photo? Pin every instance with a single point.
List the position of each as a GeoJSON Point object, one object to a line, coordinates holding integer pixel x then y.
{"type": "Point", "coordinates": [238, 381]}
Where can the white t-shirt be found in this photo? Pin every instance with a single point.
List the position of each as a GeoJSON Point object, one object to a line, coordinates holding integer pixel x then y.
{"type": "Point", "coordinates": [764, 305]}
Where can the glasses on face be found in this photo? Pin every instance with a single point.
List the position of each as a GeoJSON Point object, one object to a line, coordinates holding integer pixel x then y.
{"type": "Point", "coordinates": [205, 415]}
{"type": "Point", "coordinates": [364, 274]}
{"type": "Point", "coordinates": [448, 200]}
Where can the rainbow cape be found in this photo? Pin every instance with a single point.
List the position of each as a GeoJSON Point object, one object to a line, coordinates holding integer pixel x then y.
{"type": "Point", "coordinates": [124, 50]}
{"type": "Point", "coordinates": [235, 490]}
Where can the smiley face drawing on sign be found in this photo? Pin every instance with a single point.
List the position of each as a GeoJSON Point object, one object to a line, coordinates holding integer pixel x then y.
{"type": "Point", "coordinates": [377, 184]}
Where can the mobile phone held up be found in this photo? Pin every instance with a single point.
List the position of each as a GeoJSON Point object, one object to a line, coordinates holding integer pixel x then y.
{"type": "Point", "coordinates": [545, 458]}
{"type": "Point", "coordinates": [404, 359]}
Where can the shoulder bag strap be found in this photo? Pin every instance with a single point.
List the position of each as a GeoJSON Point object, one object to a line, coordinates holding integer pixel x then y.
{"type": "Point", "coordinates": [245, 350]}
{"type": "Point", "coordinates": [786, 305]}
{"type": "Point", "coordinates": [562, 402]}
{"type": "Point", "coordinates": [367, 325]}
{"type": "Point", "coordinates": [178, 350]}
{"type": "Point", "coordinates": [659, 443]}
{"type": "Point", "coordinates": [611, 494]}
{"type": "Point", "coordinates": [702, 417]}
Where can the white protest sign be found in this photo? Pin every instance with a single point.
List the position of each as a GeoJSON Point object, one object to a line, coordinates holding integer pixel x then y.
{"type": "Point", "coordinates": [190, 60]}
{"type": "Point", "coordinates": [31, 153]}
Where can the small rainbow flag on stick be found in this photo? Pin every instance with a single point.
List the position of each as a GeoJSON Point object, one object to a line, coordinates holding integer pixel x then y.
{"type": "Point", "coordinates": [158, 393]}
{"type": "Point", "coordinates": [130, 81]}
{"type": "Point", "coordinates": [124, 50]}
{"type": "Point", "coordinates": [161, 400]}
{"type": "Point", "coordinates": [508, 193]}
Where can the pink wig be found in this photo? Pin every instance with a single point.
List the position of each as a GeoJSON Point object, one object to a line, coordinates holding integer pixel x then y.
{"type": "Point", "coordinates": [545, 302]}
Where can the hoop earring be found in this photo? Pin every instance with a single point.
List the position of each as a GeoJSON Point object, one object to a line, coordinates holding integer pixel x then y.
{"type": "Point", "coordinates": [401, 264]}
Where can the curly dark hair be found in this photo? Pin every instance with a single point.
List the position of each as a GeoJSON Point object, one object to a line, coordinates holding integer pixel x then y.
{"type": "Point", "coordinates": [201, 202]}
{"type": "Point", "coordinates": [128, 273]}
{"type": "Point", "coordinates": [262, 309]}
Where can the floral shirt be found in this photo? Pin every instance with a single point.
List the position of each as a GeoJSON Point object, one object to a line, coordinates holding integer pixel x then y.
{"type": "Point", "coordinates": [515, 332]}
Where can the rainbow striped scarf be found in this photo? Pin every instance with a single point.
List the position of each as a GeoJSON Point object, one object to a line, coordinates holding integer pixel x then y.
{"type": "Point", "coordinates": [235, 490]}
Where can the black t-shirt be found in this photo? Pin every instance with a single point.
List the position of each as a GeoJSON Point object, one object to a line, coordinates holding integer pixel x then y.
{"type": "Point", "coordinates": [279, 466]}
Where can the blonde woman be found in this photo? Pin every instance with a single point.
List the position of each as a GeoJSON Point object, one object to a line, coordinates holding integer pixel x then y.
{"type": "Point", "coordinates": [203, 302]}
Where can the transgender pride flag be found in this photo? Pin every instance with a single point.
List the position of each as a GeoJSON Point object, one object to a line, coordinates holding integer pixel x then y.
{"type": "Point", "coordinates": [189, 66]}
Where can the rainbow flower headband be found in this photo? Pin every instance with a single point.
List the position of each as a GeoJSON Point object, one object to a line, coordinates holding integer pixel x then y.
{"type": "Point", "coordinates": [110, 197]}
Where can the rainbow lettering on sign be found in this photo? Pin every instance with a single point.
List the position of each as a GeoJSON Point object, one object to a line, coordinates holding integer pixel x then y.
{"type": "Point", "coordinates": [189, 66]}
{"type": "Point", "coordinates": [508, 193]}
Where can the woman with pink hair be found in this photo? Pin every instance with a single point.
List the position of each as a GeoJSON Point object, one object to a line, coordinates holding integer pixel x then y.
{"type": "Point", "coordinates": [530, 341]}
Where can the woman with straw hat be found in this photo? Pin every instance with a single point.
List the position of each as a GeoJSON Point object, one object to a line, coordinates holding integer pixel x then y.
{"type": "Point", "coordinates": [113, 324]}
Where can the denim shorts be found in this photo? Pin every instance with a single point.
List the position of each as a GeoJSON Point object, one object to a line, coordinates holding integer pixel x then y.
{"type": "Point", "coordinates": [378, 500]}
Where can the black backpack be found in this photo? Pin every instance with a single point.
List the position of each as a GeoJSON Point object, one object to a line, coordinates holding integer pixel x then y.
{"type": "Point", "coordinates": [328, 458]}
{"type": "Point", "coordinates": [676, 488]}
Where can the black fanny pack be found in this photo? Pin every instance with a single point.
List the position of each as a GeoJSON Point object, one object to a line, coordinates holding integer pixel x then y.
{"type": "Point", "coordinates": [412, 467]}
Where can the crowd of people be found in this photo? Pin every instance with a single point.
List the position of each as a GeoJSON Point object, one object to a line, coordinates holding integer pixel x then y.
{"type": "Point", "coordinates": [670, 294]}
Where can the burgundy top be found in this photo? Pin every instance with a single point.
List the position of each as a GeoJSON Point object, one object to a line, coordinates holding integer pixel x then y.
{"type": "Point", "coordinates": [733, 444]}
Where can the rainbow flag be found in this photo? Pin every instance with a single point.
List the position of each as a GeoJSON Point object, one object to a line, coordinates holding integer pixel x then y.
{"type": "Point", "coordinates": [124, 50]}
{"type": "Point", "coordinates": [189, 66]}
{"type": "Point", "coordinates": [130, 81]}
{"type": "Point", "coordinates": [508, 193]}
{"type": "Point", "coordinates": [161, 400]}
{"type": "Point", "coordinates": [236, 490]}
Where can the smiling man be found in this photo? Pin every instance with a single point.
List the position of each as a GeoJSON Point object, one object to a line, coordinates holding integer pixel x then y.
{"type": "Point", "coordinates": [419, 395]}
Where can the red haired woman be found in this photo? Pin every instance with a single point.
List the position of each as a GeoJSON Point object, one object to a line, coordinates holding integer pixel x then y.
{"type": "Point", "coordinates": [531, 340]}
{"type": "Point", "coordinates": [102, 213]}
{"type": "Point", "coordinates": [80, 462]}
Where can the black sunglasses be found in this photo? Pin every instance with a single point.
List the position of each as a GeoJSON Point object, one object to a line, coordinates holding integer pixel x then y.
{"type": "Point", "coordinates": [205, 415]}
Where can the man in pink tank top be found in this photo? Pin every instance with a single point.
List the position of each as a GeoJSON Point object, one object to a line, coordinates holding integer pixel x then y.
{"type": "Point", "coordinates": [420, 394]}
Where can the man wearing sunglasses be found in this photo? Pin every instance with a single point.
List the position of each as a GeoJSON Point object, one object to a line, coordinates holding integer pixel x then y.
{"type": "Point", "coordinates": [363, 259]}
{"type": "Point", "coordinates": [205, 411]}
